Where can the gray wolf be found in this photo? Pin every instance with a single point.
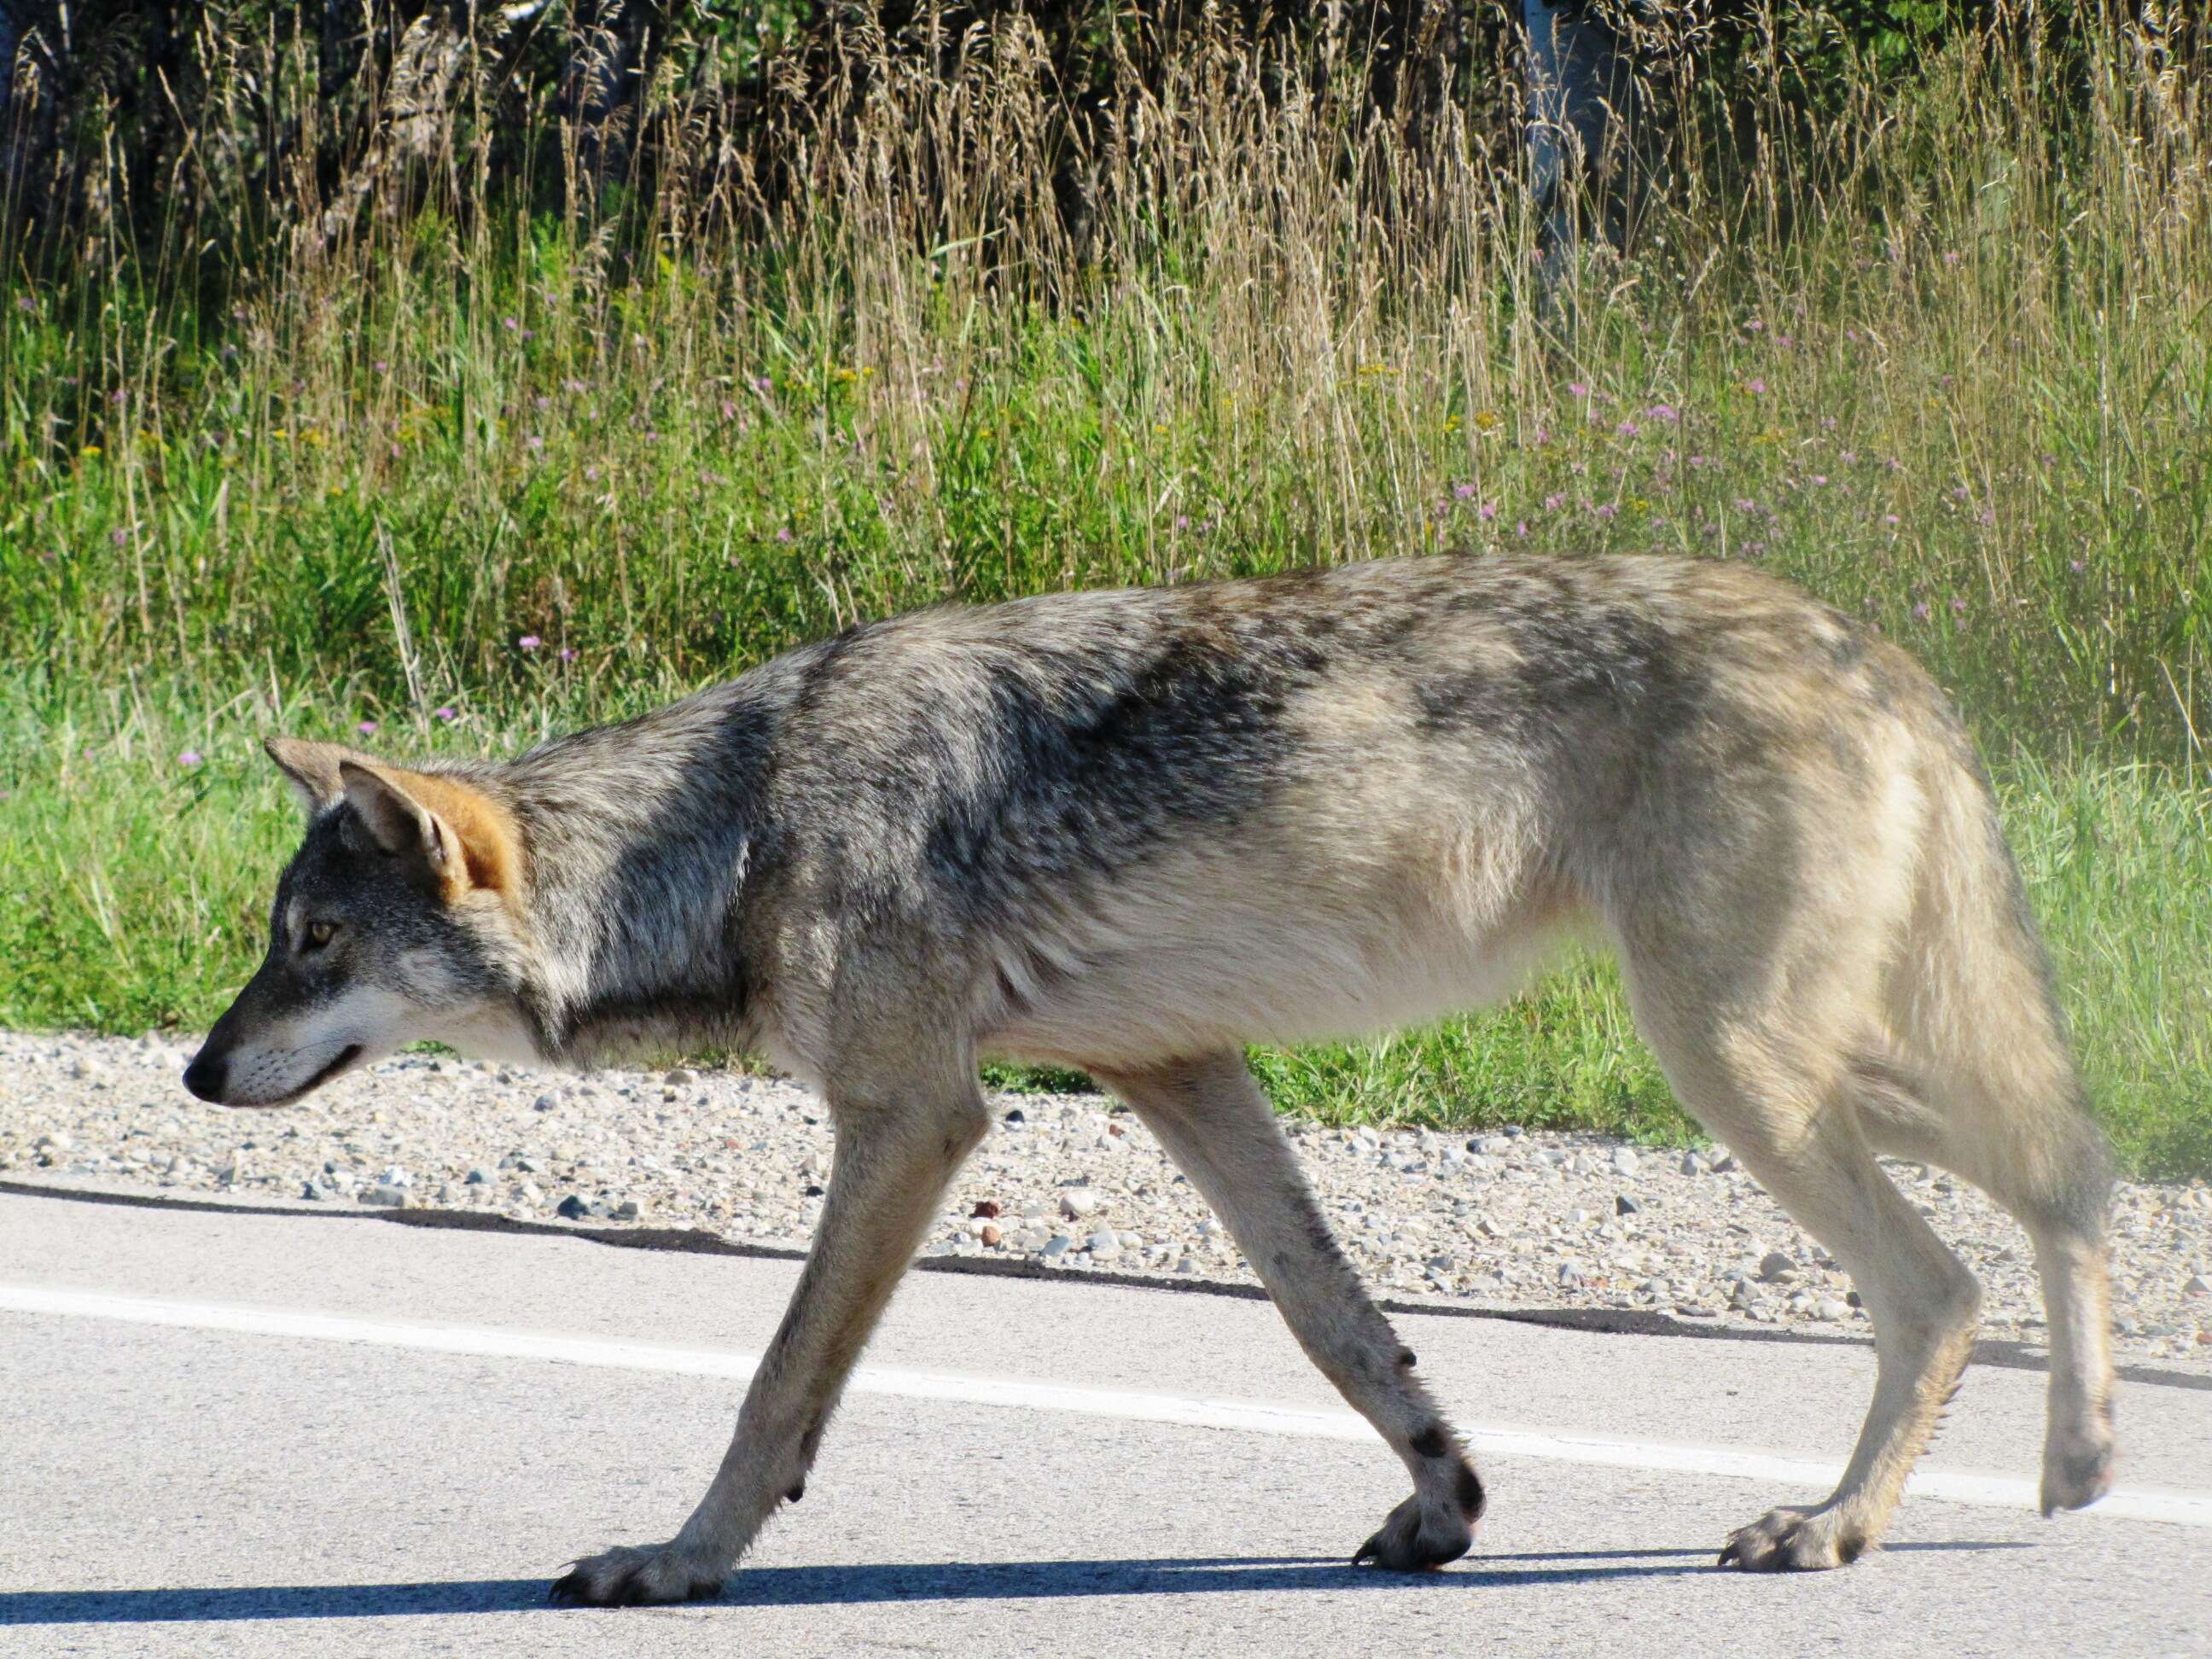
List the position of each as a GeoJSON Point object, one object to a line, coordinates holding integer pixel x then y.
{"type": "Point", "coordinates": [1132, 832]}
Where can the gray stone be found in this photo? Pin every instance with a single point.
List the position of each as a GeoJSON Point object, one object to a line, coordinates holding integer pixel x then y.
{"type": "Point", "coordinates": [1776, 1268]}
{"type": "Point", "coordinates": [1624, 1205]}
{"type": "Point", "coordinates": [628, 1210]}
{"type": "Point", "coordinates": [1832, 1309]}
{"type": "Point", "coordinates": [385, 1195]}
{"type": "Point", "coordinates": [678, 1076]}
{"type": "Point", "coordinates": [1076, 1202]}
{"type": "Point", "coordinates": [478, 1178]}
{"type": "Point", "coordinates": [571, 1208]}
{"type": "Point", "coordinates": [2198, 1285]}
{"type": "Point", "coordinates": [1694, 1163]}
{"type": "Point", "coordinates": [1624, 1160]}
{"type": "Point", "coordinates": [1103, 1243]}
{"type": "Point", "coordinates": [1058, 1244]}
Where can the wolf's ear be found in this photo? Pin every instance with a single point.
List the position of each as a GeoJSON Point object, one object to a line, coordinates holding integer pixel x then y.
{"type": "Point", "coordinates": [312, 769]}
{"type": "Point", "coordinates": [464, 839]}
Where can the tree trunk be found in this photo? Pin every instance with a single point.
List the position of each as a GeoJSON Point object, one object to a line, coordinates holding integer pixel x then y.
{"type": "Point", "coordinates": [1583, 123]}
{"type": "Point", "coordinates": [601, 91]}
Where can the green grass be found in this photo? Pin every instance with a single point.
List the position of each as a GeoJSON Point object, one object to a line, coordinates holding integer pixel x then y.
{"type": "Point", "coordinates": [1959, 386]}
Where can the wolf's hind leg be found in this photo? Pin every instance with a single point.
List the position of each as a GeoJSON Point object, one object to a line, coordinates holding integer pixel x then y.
{"type": "Point", "coordinates": [1218, 1125]}
{"type": "Point", "coordinates": [898, 1147]}
{"type": "Point", "coordinates": [1787, 1106]}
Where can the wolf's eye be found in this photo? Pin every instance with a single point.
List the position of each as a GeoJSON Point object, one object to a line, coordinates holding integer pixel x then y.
{"type": "Point", "coordinates": [319, 934]}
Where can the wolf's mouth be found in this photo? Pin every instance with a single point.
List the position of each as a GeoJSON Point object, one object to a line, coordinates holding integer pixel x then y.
{"type": "Point", "coordinates": [344, 1058]}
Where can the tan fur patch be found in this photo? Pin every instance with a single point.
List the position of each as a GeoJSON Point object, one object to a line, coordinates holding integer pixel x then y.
{"type": "Point", "coordinates": [491, 843]}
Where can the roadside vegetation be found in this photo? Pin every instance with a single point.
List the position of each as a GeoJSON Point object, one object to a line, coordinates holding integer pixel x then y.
{"type": "Point", "coordinates": [462, 468]}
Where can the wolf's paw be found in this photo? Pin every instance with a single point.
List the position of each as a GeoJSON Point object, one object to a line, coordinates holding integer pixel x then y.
{"type": "Point", "coordinates": [2077, 1465]}
{"type": "Point", "coordinates": [627, 1578]}
{"type": "Point", "coordinates": [1793, 1540]}
{"type": "Point", "coordinates": [1414, 1539]}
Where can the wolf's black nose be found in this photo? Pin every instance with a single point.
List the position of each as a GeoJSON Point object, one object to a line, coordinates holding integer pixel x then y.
{"type": "Point", "coordinates": [204, 1077]}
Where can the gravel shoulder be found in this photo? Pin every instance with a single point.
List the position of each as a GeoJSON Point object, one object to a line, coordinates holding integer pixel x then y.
{"type": "Point", "coordinates": [1534, 1220]}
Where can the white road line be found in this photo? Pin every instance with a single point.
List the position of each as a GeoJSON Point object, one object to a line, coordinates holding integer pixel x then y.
{"type": "Point", "coordinates": [2180, 1508]}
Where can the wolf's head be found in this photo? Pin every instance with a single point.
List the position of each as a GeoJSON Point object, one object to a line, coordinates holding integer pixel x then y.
{"type": "Point", "coordinates": [398, 920]}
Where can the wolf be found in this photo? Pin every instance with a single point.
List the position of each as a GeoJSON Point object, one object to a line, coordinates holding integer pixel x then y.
{"type": "Point", "coordinates": [1131, 832]}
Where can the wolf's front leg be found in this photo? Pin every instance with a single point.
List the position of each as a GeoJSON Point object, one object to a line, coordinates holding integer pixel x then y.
{"type": "Point", "coordinates": [897, 1149]}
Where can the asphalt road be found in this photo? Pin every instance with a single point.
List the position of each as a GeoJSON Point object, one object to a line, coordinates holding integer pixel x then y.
{"type": "Point", "coordinates": [262, 1434]}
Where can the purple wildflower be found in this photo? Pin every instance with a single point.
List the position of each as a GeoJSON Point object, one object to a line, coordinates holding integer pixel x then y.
{"type": "Point", "coordinates": [447, 715]}
{"type": "Point", "coordinates": [1756, 386]}
{"type": "Point", "coordinates": [1920, 611]}
{"type": "Point", "coordinates": [530, 641]}
{"type": "Point", "coordinates": [188, 759]}
{"type": "Point", "coordinates": [367, 728]}
{"type": "Point", "coordinates": [1577, 389]}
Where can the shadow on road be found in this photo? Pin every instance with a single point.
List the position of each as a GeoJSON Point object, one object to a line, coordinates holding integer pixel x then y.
{"type": "Point", "coordinates": [827, 1586]}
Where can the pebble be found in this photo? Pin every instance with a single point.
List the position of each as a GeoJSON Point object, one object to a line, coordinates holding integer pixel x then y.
{"type": "Point", "coordinates": [1487, 1217]}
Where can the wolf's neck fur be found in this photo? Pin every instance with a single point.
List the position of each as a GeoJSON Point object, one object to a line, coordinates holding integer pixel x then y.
{"type": "Point", "coordinates": [637, 839]}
